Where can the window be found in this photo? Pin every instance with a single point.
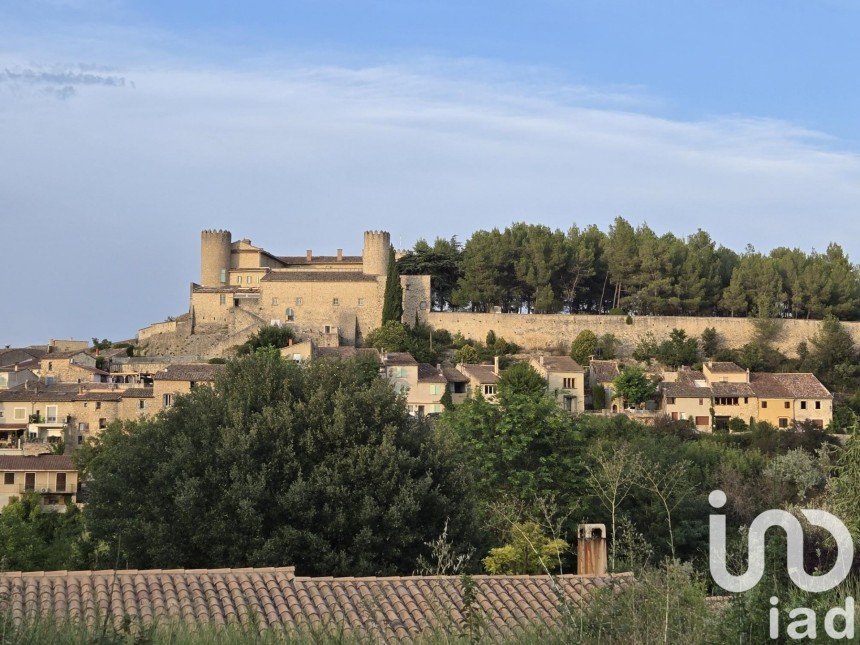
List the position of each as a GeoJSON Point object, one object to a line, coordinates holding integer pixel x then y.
{"type": "Point", "coordinates": [568, 383]}
{"type": "Point", "coordinates": [361, 302]}
{"type": "Point", "coordinates": [102, 423]}
{"type": "Point", "coordinates": [29, 481]}
{"type": "Point", "coordinates": [489, 390]}
{"type": "Point", "coordinates": [803, 405]}
{"type": "Point", "coordinates": [98, 405]}
{"type": "Point", "coordinates": [818, 405]}
{"type": "Point", "coordinates": [248, 279]}
{"type": "Point", "coordinates": [51, 413]}
{"type": "Point", "coordinates": [61, 482]}
{"type": "Point", "coordinates": [746, 399]}
{"type": "Point", "coordinates": [167, 400]}
{"type": "Point", "coordinates": [50, 366]}
{"type": "Point", "coordinates": [291, 315]}
{"type": "Point", "coordinates": [787, 405]}
{"type": "Point", "coordinates": [670, 400]}
{"type": "Point", "coordinates": [1, 413]}
{"type": "Point", "coordinates": [83, 427]}
{"type": "Point", "coordinates": [20, 414]}
{"type": "Point", "coordinates": [141, 405]}
{"type": "Point", "coordinates": [434, 389]}
{"type": "Point", "coordinates": [725, 400]}
{"type": "Point", "coordinates": [9, 479]}
{"type": "Point", "coordinates": [238, 279]}
{"type": "Point", "coordinates": [80, 440]}
{"type": "Point", "coordinates": [299, 301]}
{"type": "Point", "coordinates": [223, 276]}
{"type": "Point", "coordinates": [274, 302]}
{"type": "Point", "coordinates": [783, 422]}
{"type": "Point", "coordinates": [701, 402]}
{"type": "Point", "coordinates": [764, 404]}
{"type": "Point", "coordinates": [423, 305]}
{"type": "Point", "coordinates": [327, 329]}
{"type": "Point", "coordinates": [335, 302]}
{"type": "Point", "coordinates": [222, 299]}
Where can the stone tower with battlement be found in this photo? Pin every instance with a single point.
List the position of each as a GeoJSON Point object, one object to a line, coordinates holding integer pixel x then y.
{"type": "Point", "coordinates": [377, 248]}
{"type": "Point", "coordinates": [215, 248]}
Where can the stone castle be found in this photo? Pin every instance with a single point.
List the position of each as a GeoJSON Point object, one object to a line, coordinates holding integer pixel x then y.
{"type": "Point", "coordinates": [330, 299]}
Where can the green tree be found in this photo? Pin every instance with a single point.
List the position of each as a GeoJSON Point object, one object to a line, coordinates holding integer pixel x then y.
{"type": "Point", "coordinates": [634, 386]}
{"type": "Point", "coordinates": [467, 354]}
{"type": "Point", "coordinates": [520, 379]}
{"type": "Point", "coordinates": [267, 336]}
{"type": "Point", "coordinates": [678, 349]}
{"type": "Point", "coordinates": [528, 552]}
{"type": "Point", "coordinates": [319, 466]}
{"type": "Point", "coordinates": [442, 262]}
{"type": "Point", "coordinates": [583, 347]}
{"type": "Point", "coordinates": [392, 303]}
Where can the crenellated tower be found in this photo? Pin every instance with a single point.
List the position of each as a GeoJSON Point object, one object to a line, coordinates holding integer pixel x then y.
{"type": "Point", "coordinates": [374, 257]}
{"type": "Point", "coordinates": [215, 248]}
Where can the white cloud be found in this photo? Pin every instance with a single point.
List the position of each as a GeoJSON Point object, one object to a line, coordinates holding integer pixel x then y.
{"type": "Point", "coordinates": [124, 174]}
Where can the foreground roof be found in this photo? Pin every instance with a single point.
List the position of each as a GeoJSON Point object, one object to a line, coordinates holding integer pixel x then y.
{"type": "Point", "coordinates": [560, 364]}
{"type": "Point", "coordinates": [189, 372]}
{"type": "Point", "coordinates": [379, 608]}
{"type": "Point", "coordinates": [480, 372]}
{"type": "Point", "coordinates": [604, 371]}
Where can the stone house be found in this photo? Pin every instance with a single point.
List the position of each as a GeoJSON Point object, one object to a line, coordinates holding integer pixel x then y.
{"type": "Point", "coordinates": [14, 376]}
{"type": "Point", "coordinates": [181, 379]}
{"type": "Point", "coordinates": [483, 379]}
{"type": "Point", "coordinates": [723, 390]}
{"type": "Point", "coordinates": [602, 373]}
{"type": "Point", "coordinates": [53, 478]}
{"type": "Point", "coordinates": [458, 384]}
{"type": "Point", "coordinates": [73, 366]}
{"type": "Point", "coordinates": [565, 380]}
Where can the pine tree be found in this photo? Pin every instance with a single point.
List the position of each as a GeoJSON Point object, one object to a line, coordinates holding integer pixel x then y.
{"type": "Point", "coordinates": [392, 305]}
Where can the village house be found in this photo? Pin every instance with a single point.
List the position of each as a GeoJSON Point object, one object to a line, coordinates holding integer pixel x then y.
{"type": "Point", "coordinates": [565, 380]}
{"type": "Point", "coordinates": [723, 390]}
{"type": "Point", "coordinates": [53, 478]}
{"type": "Point", "coordinates": [601, 375]}
{"type": "Point", "coordinates": [14, 376]}
{"type": "Point", "coordinates": [483, 379]}
{"type": "Point", "coordinates": [179, 379]}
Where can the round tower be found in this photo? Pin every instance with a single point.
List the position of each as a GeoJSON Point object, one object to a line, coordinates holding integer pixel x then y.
{"type": "Point", "coordinates": [214, 258]}
{"type": "Point", "coordinates": [374, 257]}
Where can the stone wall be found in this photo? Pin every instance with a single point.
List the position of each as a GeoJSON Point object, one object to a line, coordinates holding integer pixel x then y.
{"type": "Point", "coordinates": [548, 331]}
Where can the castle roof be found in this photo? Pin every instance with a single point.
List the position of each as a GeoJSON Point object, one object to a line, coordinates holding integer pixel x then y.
{"type": "Point", "coordinates": [380, 609]}
{"type": "Point", "coordinates": [317, 276]}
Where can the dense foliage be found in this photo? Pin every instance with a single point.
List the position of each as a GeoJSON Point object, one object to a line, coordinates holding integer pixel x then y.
{"type": "Point", "coordinates": [317, 466]}
{"type": "Point", "coordinates": [530, 267]}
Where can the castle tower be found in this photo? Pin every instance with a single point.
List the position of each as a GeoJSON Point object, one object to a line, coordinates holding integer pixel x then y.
{"type": "Point", "coordinates": [214, 258]}
{"type": "Point", "coordinates": [374, 257]}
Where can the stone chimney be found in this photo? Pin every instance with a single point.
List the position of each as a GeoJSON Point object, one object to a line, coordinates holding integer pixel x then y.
{"type": "Point", "coordinates": [496, 365]}
{"type": "Point", "coordinates": [591, 550]}
{"type": "Point", "coordinates": [310, 255]}
{"type": "Point", "coordinates": [340, 255]}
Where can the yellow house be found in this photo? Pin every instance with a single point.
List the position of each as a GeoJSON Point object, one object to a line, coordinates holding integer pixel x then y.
{"type": "Point", "coordinates": [602, 374]}
{"type": "Point", "coordinates": [789, 398]}
{"type": "Point", "coordinates": [53, 478]}
{"type": "Point", "coordinates": [565, 380]}
{"type": "Point", "coordinates": [483, 379]}
{"type": "Point", "coordinates": [457, 384]}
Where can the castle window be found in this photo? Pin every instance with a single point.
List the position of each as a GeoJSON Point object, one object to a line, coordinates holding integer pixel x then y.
{"type": "Point", "coordinates": [238, 279]}
{"type": "Point", "coordinates": [223, 275]}
{"type": "Point", "coordinates": [335, 302]}
{"type": "Point", "coordinates": [361, 302]}
{"type": "Point", "coordinates": [274, 302]}
{"type": "Point", "coordinates": [299, 301]}
{"type": "Point", "coordinates": [248, 280]}
{"type": "Point", "coordinates": [222, 299]}
{"type": "Point", "coordinates": [291, 315]}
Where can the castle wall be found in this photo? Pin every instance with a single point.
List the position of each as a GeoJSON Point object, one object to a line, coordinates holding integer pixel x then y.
{"type": "Point", "coordinates": [215, 254]}
{"type": "Point", "coordinates": [416, 297]}
{"type": "Point", "coordinates": [546, 331]}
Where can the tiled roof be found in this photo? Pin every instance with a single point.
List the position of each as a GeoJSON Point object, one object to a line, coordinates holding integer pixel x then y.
{"type": "Point", "coordinates": [561, 364]}
{"type": "Point", "coordinates": [317, 276]}
{"type": "Point", "coordinates": [380, 609]}
{"type": "Point", "coordinates": [482, 373]}
{"type": "Point", "coordinates": [319, 259]}
{"type": "Point", "coordinates": [346, 352]}
{"type": "Point", "coordinates": [34, 463]}
{"type": "Point", "coordinates": [137, 393]}
{"type": "Point", "coordinates": [66, 354]}
{"type": "Point", "coordinates": [604, 371]}
{"type": "Point", "coordinates": [454, 376]}
{"type": "Point", "coordinates": [50, 393]}
{"type": "Point", "coordinates": [727, 388]}
{"type": "Point", "coordinates": [189, 372]}
{"type": "Point", "coordinates": [788, 385]}
{"type": "Point", "coordinates": [430, 374]}
{"type": "Point", "coordinates": [398, 358]}
{"type": "Point", "coordinates": [685, 389]}
{"type": "Point", "coordinates": [724, 367]}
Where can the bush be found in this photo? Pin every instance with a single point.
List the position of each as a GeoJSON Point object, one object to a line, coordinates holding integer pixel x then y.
{"type": "Point", "coordinates": [736, 424]}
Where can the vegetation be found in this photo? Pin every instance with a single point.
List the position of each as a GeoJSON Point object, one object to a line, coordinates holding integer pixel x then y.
{"type": "Point", "coordinates": [634, 386]}
{"type": "Point", "coordinates": [532, 268]}
{"type": "Point", "coordinates": [269, 336]}
{"type": "Point", "coordinates": [392, 303]}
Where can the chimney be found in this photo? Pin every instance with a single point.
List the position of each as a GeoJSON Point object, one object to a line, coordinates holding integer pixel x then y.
{"type": "Point", "coordinates": [340, 255]}
{"type": "Point", "coordinates": [591, 550]}
{"type": "Point", "coordinates": [310, 255]}
{"type": "Point", "coordinates": [16, 367]}
{"type": "Point", "coordinates": [496, 365]}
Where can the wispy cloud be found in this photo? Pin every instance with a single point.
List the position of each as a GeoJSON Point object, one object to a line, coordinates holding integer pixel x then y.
{"type": "Point", "coordinates": [309, 156]}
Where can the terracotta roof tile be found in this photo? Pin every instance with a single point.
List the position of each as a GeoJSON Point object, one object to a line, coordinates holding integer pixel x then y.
{"type": "Point", "coordinates": [36, 463]}
{"type": "Point", "coordinates": [189, 372]}
{"type": "Point", "coordinates": [454, 376]}
{"type": "Point", "coordinates": [482, 373]}
{"type": "Point", "coordinates": [379, 608]}
{"type": "Point", "coordinates": [561, 364]}
{"type": "Point", "coordinates": [430, 374]}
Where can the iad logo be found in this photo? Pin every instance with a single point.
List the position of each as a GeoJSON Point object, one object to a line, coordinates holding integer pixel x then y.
{"type": "Point", "coordinates": [805, 626]}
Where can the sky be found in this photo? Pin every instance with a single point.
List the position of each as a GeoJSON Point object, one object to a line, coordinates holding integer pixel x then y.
{"type": "Point", "coordinates": [127, 127]}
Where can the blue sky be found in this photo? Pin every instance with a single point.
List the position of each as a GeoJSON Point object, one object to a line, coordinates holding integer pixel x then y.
{"type": "Point", "coordinates": [127, 127]}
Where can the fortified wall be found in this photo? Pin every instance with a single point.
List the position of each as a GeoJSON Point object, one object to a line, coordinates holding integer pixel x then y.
{"type": "Point", "coordinates": [551, 331]}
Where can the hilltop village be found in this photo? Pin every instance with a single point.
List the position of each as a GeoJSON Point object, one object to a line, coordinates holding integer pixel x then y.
{"type": "Point", "coordinates": [54, 397]}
